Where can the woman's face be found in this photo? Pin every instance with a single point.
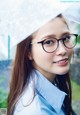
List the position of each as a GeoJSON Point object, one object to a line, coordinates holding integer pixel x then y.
{"type": "Point", "coordinates": [57, 62]}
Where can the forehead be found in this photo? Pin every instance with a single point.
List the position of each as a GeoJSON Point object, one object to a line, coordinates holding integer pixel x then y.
{"type": "Point", "coordinates": [57, 27]}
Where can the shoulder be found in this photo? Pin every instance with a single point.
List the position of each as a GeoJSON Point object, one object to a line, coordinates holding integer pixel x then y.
{"type": "Point", "coordinates": [28, 103]}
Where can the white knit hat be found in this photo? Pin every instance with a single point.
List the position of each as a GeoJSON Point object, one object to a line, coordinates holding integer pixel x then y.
{"type": "Point", "coordinates": [20, 18]}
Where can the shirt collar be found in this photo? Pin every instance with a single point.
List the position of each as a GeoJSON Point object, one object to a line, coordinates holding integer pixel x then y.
{"type": "Point", "coordinates": [51, 93]}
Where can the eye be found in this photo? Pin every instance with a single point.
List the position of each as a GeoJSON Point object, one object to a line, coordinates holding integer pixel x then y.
{"type": "Point", "coordinates": [49, 42]}
{"type": "Point", "coordinates": [67, 38]}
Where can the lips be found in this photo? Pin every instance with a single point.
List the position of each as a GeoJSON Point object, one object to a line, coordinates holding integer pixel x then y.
{"type": "Point", "coordinates": [61, 61]}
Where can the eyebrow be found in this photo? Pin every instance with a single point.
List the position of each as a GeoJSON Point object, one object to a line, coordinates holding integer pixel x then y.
{"type": "Point", "coordinates": [52, 35]}
{"type": "Point", "coordinates": [66, 33]}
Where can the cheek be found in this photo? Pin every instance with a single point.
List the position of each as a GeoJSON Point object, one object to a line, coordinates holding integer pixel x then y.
{"type": "Point", "coordinates": [37, 51]}
{"type": "Point", "coordinates": [40, 55]}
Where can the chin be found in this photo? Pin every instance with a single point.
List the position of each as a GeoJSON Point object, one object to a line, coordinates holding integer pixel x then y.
{"type": "Point", "coordinates": [63, 72]}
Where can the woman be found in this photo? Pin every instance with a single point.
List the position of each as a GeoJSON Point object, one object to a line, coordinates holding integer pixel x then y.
{"type": "Point", "coordinates": [40, 82]}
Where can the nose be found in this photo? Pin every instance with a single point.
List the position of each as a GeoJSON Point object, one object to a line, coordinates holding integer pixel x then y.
{"type": "Point", "coordinates": [61, 50]}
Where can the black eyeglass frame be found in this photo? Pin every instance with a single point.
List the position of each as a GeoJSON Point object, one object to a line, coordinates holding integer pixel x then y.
{"type": "Point", "coordinates": [42, 42]}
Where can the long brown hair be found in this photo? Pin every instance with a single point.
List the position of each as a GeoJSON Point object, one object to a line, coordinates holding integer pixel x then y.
{"type": "Point", "coordinates": [20, 77]}
{"type": "Point", "coordinates": [20, 74]}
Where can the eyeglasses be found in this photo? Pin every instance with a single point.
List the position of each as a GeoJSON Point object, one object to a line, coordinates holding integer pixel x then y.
{"type": "Point", "coordinates": [50, 44]}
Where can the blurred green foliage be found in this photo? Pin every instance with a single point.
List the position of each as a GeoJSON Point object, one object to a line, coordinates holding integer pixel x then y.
{"type": "Point", "coordinates": [3, 93]}
{"type": "Point", "coordinates": [76, 97]}
{"type": "Point", "coordinates": [3, 98]}
{"type": "Point", "coordinates": [78, 39]}
{"type": "Point", "coordinates": [75, 91]}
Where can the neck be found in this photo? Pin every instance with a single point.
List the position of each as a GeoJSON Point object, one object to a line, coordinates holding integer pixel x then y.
{"type": "Point", "coordinates": [49, 76]}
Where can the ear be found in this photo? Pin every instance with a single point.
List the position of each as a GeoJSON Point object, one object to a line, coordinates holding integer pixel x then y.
{"type": "Point", "coordinates": [30, 56]}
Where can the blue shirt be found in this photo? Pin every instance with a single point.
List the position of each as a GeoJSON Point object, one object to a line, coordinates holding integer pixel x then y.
{"type": "Point", "coordinates": [41, 97]}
